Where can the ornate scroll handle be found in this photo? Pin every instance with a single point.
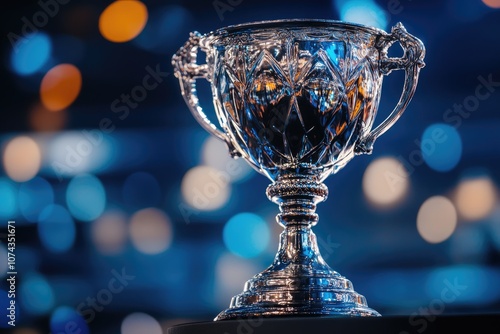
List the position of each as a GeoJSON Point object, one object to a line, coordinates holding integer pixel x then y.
{"type": "Point", "coordinates": [187, 71]}
{"type": "Point", "coordinates": [411, 61]}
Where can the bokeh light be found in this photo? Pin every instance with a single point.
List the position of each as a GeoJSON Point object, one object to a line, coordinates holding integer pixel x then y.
{"type": "Point", "coordinates": [60, 87]}
{"type": "Point", "coordinates": [436, 219]}
{"type": "Point", "coordinates": [466, 284]}
{"type": "Point", "coordinates": [71, 153]}
{"type": "Point", "coordinates": [122, 21]}
{"type": "Point", "coordinates": [385, 182]}
{"type": "Point", "coordinates": [56, 229]}
{"type": "Point", "coordinates": [86, 197]}
{"type": "Point", "coordinates": [22, 158]}
{"type": "Point", "coordinates": [216, 154]}
{"type": "Point", "coordinates": [65, 319]}
{"type": "Point", "coordinates": [42, 119]}
{"type": "Point", "coordinates": [231, 273]}
{"type": "Point", "coordinates": [31, 53]}
{"type": "Point", "coordinates": [441, 147]}
{"type": "Point", "coordinates": [150, 231]}
{"type": "Point", "coordinates": [246, 235]}
{"type": "Point", "coordinates": [475, 197]}
{"type": "Point", "coordinates": [109, 232]}
{"type": "Point", "coordinates": [140, 323]}
{"type": "Point", "coordinates": [36, 294]}
{"type": "Point", "coordinates": [206, 188]}
{"type": "Point", "coordinates": [366, 12]}
{"type": "Point", "coordinates": [33, 197]}
{"type": "Point", "coordinates": [141, 190]}
{"type": "Point", "coordinates": [8, 198]}
{"type": "Point", "coordinates": [492, 3]}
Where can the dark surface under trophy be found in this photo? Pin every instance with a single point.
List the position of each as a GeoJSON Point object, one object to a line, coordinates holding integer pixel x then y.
{"type": "Point", "coordinates": [297, 100]}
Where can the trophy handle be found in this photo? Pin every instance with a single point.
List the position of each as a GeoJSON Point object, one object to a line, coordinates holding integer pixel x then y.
{"type": "Point", "coordinates": [411, 61]}
{"type": "Point", "coordinates": [187, 71]}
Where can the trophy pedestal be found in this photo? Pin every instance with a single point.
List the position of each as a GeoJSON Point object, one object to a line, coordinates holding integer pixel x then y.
{"type": "Point", "coordinates": [346, 325]}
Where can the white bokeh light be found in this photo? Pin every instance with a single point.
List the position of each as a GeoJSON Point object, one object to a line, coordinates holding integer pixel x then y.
{"type": "Point", "coordinates": [216, 154]}
{"type": "Point", "coordinates": [70, 153]}
{"type": "Point", "coordinates": [150, 231]}
{"type": "Point", "coordinates": [109, 232]}
{"type": "Point", "coordinates": [231, 274]}
{"type": "Point", "coordinates": [475, 198]}
{"type": "Point", "coordinates": [385, 182]}
{"type": "Point", "coordinates": [436, 219]}
{"type": "Point", "coordinates": [140, 323]}
{"type": "Point", "coordinates": [206, 188]}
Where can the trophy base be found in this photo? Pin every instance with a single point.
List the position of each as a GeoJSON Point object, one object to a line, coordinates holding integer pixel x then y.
{"type": "Point", "coordinates": [248, 312]}
{"type": "Point", "coordinates": [481, 323]}
{"type": "Point", "coordinates": [298, 290]}
{"type": "Point", "coordinates": [303, 285]}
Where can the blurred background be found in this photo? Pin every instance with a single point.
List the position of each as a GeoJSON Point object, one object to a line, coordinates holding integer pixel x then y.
{"type": "Point", "coordinates": [130, 218]}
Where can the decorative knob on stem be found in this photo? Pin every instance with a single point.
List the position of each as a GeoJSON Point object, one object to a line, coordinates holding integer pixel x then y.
{"type": "Point", "coordinates": [297, 196]}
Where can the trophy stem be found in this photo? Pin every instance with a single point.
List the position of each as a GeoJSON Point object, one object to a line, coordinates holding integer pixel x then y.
{"type": "Point", "coordinates": [299, 282]}
{"type": "Point", "coordinates": [297, 197]}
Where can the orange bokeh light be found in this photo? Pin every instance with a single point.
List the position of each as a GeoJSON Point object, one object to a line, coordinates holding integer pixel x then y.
{"type": "Point", "coordinates": [60, 87]}
{"type": "Point", "coordinates": [492, 3]}
{"type": "Point", "coordinates": [123, 20]}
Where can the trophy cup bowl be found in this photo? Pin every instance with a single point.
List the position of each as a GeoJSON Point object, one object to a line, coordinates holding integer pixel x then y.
{"type": "Point", "coordinates": [297, 100]}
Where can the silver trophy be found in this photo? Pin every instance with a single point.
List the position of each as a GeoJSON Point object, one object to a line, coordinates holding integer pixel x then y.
{"type": "Point", "coordinates": [297, 100]}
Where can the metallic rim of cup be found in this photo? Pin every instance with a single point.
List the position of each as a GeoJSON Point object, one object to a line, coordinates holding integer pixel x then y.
{"type": "Point", "coordinates": [212, 36]}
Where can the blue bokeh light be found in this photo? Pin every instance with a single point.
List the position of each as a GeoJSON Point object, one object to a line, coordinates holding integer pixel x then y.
{"type": "Point", "coordinates": [86, 197]}
{"type": "Point", "coordinates": [65, 319]}
{"type": "Point", "coordinates": [441, 147]}
{"type": "Point", "coordinates": [36, 295]}
{"type": "Point", "coordinates": [366, 12]}
{"type": "Point", "coordinates": [34, 195]}
{"type": "Point", "coordinates": [141, 190]}
{"type": "Point", "coordinates": [56, 229]}
{"type": "Point", "coordinates": [464, 284]}
{"type": "Point", "coordinates": [246, 235]}
{"type": "Point", "coordinates": [30, 53]}
{"type": "Point", "coordinates": [8, 199]}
